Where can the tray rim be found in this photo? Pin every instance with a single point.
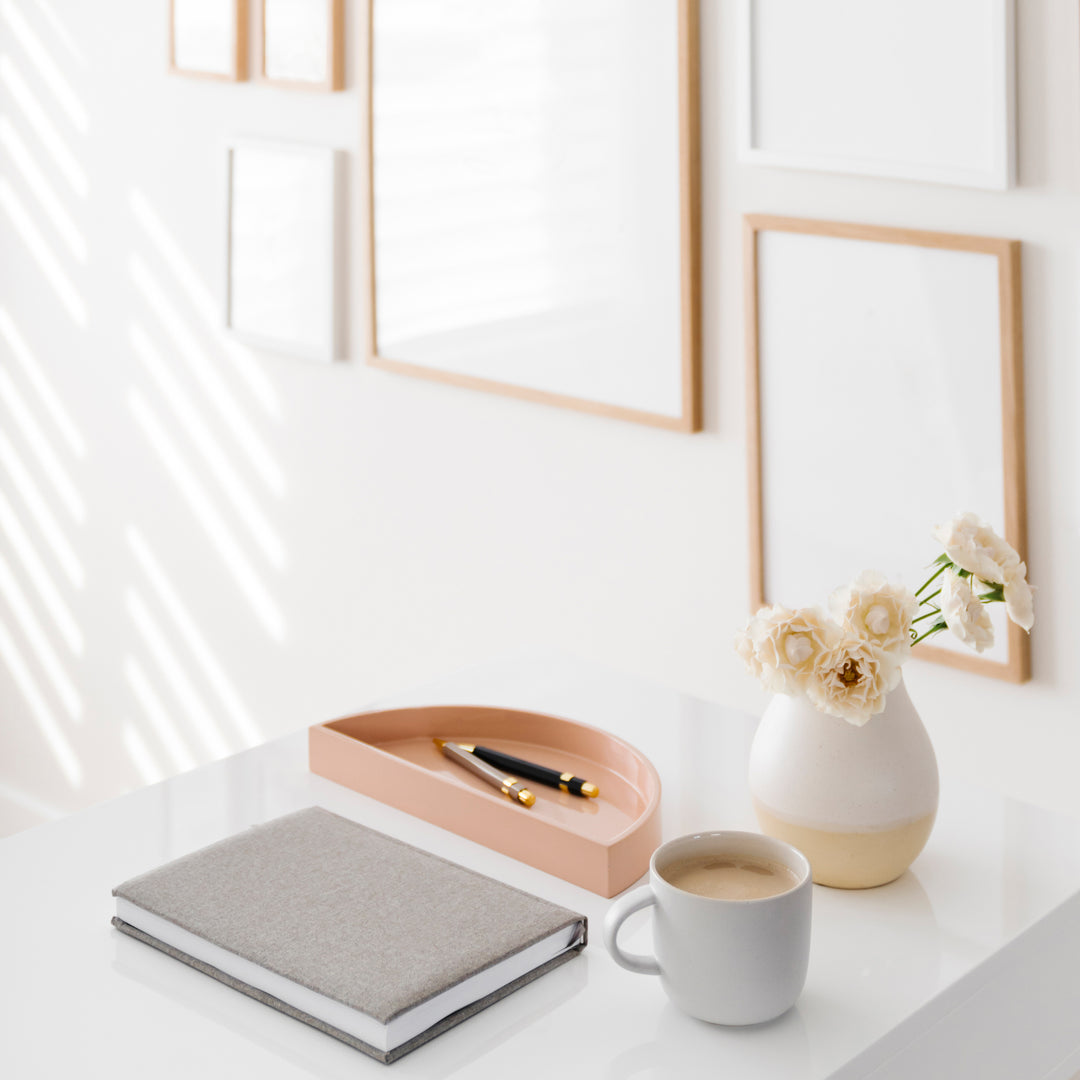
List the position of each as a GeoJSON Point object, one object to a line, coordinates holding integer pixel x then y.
{"type": "Point", "coordinates": [639, 822]}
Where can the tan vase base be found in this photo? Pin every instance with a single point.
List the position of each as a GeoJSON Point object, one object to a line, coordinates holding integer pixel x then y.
{"type": "Point", "coordinates": [854, 860]}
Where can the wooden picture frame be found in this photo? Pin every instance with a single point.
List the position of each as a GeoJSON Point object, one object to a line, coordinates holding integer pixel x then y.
{"type": "Point", "coordinates": [955, 124]}
{"type": "Point", "coordinates": [928, 264]}
{"type": "Point", "coordinates": [685, 415]}
{"type": "Point", "coordinates": [332, 77]}
{"type": "Point", "coordinates": [231, 63]}
{"type": "Point", "coordinates": [284, 250]}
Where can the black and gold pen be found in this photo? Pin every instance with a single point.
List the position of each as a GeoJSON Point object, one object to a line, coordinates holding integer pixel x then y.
{"type": "Point", "coordinates": [510, 787]}
{"type": "Point", "coordinates": [531, 771]}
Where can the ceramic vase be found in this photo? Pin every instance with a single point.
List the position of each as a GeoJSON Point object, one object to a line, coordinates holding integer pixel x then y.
{"type": "Point", "coordinates": [859, 802]}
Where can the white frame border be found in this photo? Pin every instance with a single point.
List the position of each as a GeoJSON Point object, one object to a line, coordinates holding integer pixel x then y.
{"type": "Point", "coordinates": [1001, 177]}
{"type": "Point", "coordinates": [332, 249]}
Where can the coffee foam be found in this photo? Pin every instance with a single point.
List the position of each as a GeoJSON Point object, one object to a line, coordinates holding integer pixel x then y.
{"type": "Point", "coordinates": [730, 877]}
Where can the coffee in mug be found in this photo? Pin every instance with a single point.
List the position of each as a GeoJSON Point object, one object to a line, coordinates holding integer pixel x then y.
{"type": "Point", "coordinates": [731, 929]}
{"type": "Point", "coordinates": [730, 877]}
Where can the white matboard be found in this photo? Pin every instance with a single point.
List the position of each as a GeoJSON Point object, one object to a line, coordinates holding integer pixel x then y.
{"type": "Point", "coordinates": [297, 40]}
{"type": "Point", "coordinates": [204, 34]}
{"type": "Point", "coordinates": [282, 247]}
{"type": "Point", "coordinates": [913, 89]}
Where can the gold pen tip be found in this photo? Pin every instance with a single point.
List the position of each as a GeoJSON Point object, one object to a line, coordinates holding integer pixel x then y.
{"type": "Point", "coordinates": [591, 790]}
{"type": "Point", "coordinates": [526, 797]}
{"type": "Point", "coordinates": [440, 743]}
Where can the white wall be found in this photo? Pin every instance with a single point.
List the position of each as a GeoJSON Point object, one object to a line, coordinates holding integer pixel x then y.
{"type": "Point", "coordinates": [390, 528]}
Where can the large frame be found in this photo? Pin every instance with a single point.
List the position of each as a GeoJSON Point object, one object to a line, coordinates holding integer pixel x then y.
{"type": "Point", "coordinates": [284, 247]}
{"type": "Point", "coordinates": [849, 465]}
{"type": "Point", "coordinates": [230, 54]}
{"type": "Point", "coordinates": [331, 51]}
{"type": "Point", "coordinates": [681, 355]}
{"type": "Point", "coordinates": [954, 124]}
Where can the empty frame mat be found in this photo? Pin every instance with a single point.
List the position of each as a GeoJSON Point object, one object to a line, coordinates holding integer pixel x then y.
{"type": "Point", "coordinates": [208, 38]}
{"type": "Point", "coordinates": [282, 280]}
{"type": "Point", "coordinates": [534, 200]}
{"type": "Point", "coordinates": [303, 43]}
{"type": "Point", "coordinates": [914, 89]}
{"type": "Point", "coordinates": [885, 397]}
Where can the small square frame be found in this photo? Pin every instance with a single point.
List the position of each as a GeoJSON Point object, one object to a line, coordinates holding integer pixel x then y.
{"type": "Point", "coordinates": [335, 53]}
{"type": "Point", "coordinates": [238, 50]}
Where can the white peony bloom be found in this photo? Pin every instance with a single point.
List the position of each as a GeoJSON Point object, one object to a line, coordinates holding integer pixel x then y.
{"type": "Point", "coordinates": [852, 679]}
{"type": "Point", "coordinates": [1020, 598]}
{"type": "Point", "coordinates": [780, 646]}
{"type": "Point", "coordinates": [872, 607]}
{"type": "Point", "coordinates": [975, 547]}
{"type": "Point", "coordinates": [744, 646]}
{"type": "Point", "coordinates": [965, 615]}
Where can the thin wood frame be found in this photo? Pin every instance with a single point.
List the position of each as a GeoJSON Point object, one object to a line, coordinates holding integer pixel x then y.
{"type": "Point", "coordinates": [1017, 668]}
{"type": "Point", "coordinates": [1000, 175]}
{"type": "Point", "coordinates": [239, 47]}
{"type": "Point", "coordinates": [690, 418]}
{"type": "Point", "coordinates": [335, 53]}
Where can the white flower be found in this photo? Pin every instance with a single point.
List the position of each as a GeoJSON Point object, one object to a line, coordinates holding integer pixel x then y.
{"type": "Point", "coordinates": [871, 607]}
{"type": "Point", "coordinates": [1020, 598]}
{"type": "Point", "coordinates": [975, 547]}
{"type": "Point", "coordinates": [780, 646]}
{"type": "Point", "coordinates": [852, 679]}
{"type": "Point", "coordinates": [965, 615]}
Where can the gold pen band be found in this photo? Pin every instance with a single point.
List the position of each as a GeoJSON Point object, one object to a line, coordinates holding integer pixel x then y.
{"type": "Point", "coordinates": [530, 770]}
{"type": "Point", "coordinates": [510, 787]}
{"type": "Point", "coordinates": [513, 790]}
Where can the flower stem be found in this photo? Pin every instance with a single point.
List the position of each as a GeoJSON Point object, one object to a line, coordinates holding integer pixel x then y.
{"type": "Point", "coordinates": [926, 615]}
{"type": "Point", "coordinates": [927, 599]}
{"type": "Point", "coordinates": [935, 574]}
{"type": "Point", "coordinates": [933, 630]}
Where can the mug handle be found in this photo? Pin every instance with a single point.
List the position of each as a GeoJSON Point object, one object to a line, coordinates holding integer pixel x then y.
{"type": "Point", "coordinates": [617, 914]}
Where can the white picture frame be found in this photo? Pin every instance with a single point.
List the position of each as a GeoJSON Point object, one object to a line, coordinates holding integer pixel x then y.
{"type": "Point", "coordinates": [208, 39]}
{"type": "Point", "coordinates": [885, 395]}
{"type": "Point", "coordinates": [283, 248]}
{"type": "Point", "coordinates": [935, 102]}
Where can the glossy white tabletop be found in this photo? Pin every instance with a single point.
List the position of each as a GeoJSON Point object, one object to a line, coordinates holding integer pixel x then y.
{"type": "Point", "coordinates": [969, 965]}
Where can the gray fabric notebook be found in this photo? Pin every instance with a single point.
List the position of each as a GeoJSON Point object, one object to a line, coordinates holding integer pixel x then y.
{"type": "Point", "coordinates": [369, 939]}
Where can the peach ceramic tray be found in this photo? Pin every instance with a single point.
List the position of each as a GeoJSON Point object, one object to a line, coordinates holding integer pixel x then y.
{"type": "Point", "coordinates": [602, 844]}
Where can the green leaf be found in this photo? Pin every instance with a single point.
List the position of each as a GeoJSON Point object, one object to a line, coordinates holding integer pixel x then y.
{"type": "Point", "coordinates": [942, 560]}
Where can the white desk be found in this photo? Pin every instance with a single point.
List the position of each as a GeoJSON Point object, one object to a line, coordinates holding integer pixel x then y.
{"type": "Point", "coordinates": [968, 966]}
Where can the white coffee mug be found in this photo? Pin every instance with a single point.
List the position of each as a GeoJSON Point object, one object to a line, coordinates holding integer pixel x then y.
{"type": "Point", "coordinates": [721, 960]}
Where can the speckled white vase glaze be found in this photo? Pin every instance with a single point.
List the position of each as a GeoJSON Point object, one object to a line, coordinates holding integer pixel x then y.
{"type": "Point", "coordinates": [859, 802]}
